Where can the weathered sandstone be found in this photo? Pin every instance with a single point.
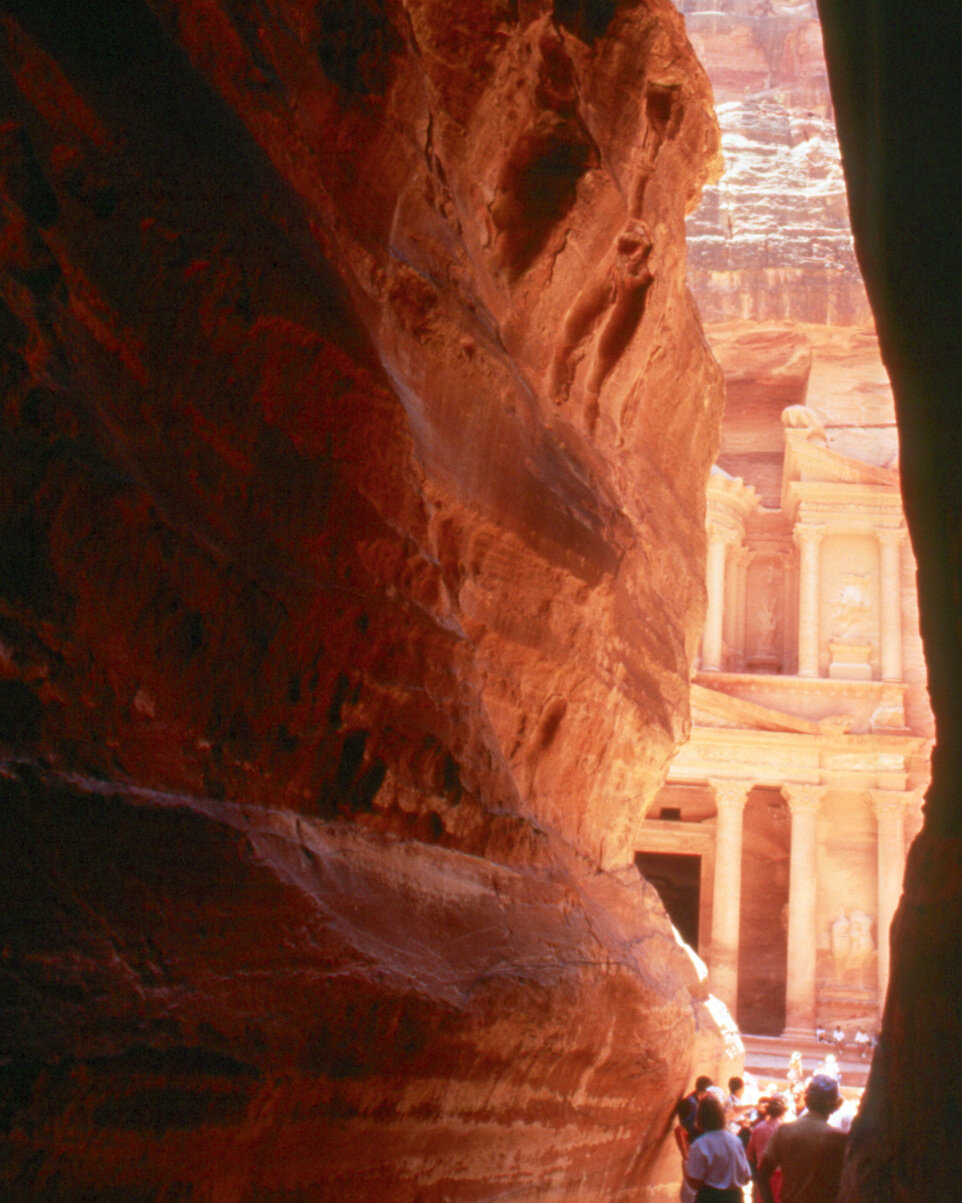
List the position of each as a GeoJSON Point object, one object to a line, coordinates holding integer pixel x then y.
{"type": "Point", "coordinates": [357, 423]}
{"type": "Point", "coordinates": [772, 238]}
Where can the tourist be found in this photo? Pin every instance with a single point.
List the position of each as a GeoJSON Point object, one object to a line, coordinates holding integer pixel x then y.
{"type": "Point", "coordinates": [683, 1141]}
{"type": "Point", "coordinates": [809, 1151]}
{"type": "Point", "coordinates": [717, 1168]}
{"type": "Point", "coordinates": [687, 1116]}
{"type": "Point", "coordinates": [761, 1134]}
{"type": "Point", "coordinates": [820, 1034]}
{"type": "Point", "coordinates": [830, 1068]}
{"type": "Point", "coordinates": [795, 1073]}
{"type": "Point", "coordinates": [737, 1110]}
{"type": "Point", "coordinates": [838, 1039]}
{"type": "Point", "coordinates": [862, 1042]}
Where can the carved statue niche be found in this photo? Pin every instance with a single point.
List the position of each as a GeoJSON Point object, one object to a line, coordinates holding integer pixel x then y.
{"type": "Point", "coordinates": [764, 615]}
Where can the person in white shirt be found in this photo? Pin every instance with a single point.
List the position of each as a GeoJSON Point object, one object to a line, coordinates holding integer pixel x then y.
{"type": "Point", "coordinates": [717, 1168]}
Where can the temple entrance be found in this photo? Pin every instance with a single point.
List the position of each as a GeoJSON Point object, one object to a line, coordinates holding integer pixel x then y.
{"type": "Point", "coordinates": [763, 927]}
{"type": "Point", "coordinates": [677, 878]}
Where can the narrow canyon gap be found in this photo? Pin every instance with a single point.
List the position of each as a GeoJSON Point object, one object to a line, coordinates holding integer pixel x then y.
{"type": "Point", "coordinates": [357, 421]}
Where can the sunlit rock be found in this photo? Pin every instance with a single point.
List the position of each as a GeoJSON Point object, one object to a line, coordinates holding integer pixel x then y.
{"type": "Point", "coordinates": [351, 569]}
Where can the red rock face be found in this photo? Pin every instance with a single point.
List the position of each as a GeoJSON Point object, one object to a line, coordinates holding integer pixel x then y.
{"type": "Point", "coordinates": [249, 1006]}
{"type": "Point", "coordinates": [351, 504]}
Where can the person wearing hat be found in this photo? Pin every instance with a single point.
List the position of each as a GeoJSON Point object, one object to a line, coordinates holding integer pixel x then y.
{"type": "Point", "coordinates": [809, 1151]}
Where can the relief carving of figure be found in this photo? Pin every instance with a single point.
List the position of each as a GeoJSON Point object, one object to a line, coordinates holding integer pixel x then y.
{"type": "Point", "coordinates": [841, 945]}
{"type": "Point", "coordinates": [853, 949]}
{"type": "Point", "coordinates": [852, 605]}
{"type": "Point", "coordinates": [766, 621]}
{"type": "Point", "coordinates": [863, 946]}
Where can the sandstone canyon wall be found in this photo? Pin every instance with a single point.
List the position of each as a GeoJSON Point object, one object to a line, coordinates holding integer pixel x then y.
{"type": "Point", "coordinates": [356, 428]}
{"type": "Point", "coordinates": [895, 80]}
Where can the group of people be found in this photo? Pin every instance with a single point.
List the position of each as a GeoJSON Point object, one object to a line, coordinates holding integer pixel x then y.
{"type": "Point", "coordinates": [864, 1041]}
{"type": "Point", "coordinates": [725, 1143]}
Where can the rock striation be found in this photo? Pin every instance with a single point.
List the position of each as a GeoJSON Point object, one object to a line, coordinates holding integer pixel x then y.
{"type": "Point", "coordinates": [772, 239]}
{"type": "Point", "coordinates": [357, 424]}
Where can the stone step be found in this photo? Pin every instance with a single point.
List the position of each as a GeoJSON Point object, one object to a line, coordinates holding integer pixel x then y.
{"type": "Point", "coordinates": [767, 1058]}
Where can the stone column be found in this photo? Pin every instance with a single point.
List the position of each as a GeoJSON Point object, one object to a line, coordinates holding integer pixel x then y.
{"type": "Point", "coordinates": [809, 540]}
{"type": "Point", "coordinates": [803, 802]}
{"type": "Point", "coordinates": [889, 807]}
{"type": "Point", "coordinates": [711, 647]}
{"type": "Point", "coordinates": [744, 559]}
{"type": "Point", "coordinates": [730, 799]}
{"type": "Point", "coordinates": [890, 601]}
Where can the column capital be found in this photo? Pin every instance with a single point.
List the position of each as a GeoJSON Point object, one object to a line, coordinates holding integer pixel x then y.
{"type": "Point", "coordinates": [721, 533]}
{"type": "Point", "coordinates": [802, 799]}
{"type": "Point", "coordinates": [890, 803]}
{"type": "Point", "coordinates": [730, 795]}
{"type": "Point", "coordinates": [893, 536]}
{"type": "Point", "coordinates": [805, 532]}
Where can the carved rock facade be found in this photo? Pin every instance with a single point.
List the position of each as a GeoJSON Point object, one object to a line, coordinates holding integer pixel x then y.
{"type": "Point", "coordinates": [786, 819]}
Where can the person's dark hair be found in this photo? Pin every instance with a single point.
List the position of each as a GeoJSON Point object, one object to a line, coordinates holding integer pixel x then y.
{"type": "Point", "coordinates": [711, 1114]}
{"type": "Point", "coordinates": [821, 1094]}
{"type": "Point", "coordinates": [776, 1108]}
{"type": "Point", "coordinates": [735, 1084]}
{"type": "Point", "coordinates": [702, 1083]}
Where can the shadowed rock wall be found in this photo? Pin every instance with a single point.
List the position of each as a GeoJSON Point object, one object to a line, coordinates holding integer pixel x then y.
{"type": "Point", "coordinates": [895, 84]}
{"type": "Point", "coordinates": [357, 421]}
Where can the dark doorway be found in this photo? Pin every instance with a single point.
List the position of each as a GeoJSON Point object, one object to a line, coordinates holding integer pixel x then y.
{"type": "Point", "coordinates": [677, 878]}
{"type": "Point", "coordinates": [763, 924]}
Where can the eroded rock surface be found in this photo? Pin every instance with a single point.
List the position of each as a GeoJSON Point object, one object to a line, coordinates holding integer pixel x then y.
{"type": "Point", "coordinates": [351, 505]}
{"type": "Point", "coordinates": [772, 239]}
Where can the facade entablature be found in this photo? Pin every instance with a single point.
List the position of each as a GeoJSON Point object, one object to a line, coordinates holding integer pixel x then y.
{"type": "Point", "coordinates": [829, 503]}
{"type": "Point", "coordinates": [772, 760]}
